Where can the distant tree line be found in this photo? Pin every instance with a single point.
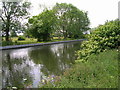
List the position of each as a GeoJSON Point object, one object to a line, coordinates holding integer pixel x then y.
{"type": "Point", "coordinates": [63, 20]}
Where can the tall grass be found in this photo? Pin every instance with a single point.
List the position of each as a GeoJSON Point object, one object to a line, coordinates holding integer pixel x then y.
{"type": "Point", "coordinates": [100, 71]}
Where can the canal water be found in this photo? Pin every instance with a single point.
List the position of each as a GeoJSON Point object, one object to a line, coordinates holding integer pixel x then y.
{"type": "Point", "coordinates": [27, 67]}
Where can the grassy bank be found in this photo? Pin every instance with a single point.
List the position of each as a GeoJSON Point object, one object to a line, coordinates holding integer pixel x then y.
{"type": "Point", "coordinates": [100, 71]}
{"type": "Point", "coordinates": [15, 41]}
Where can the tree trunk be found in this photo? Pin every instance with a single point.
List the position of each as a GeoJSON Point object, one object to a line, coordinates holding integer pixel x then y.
{"type": "Point", "coordinates": [7, 28]}
{"type": "Point", "coordinates": [39, 40]}
{"type": "Point", "coordinates": [46, 37]}
{"type": "Point", "coordinates": [7, 35]}
{"type": "Point", "coordinates": [64, 32]}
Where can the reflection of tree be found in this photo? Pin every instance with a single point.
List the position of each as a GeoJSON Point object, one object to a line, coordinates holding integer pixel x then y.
{"type": "Point", "coordinates": [54, 61]}
{"type": "Point", "coordinates": [13, 73]}
{"type": "Point", "coordinates": [54, 58]}
{"type": "Point", "coordinates": [46, 57]}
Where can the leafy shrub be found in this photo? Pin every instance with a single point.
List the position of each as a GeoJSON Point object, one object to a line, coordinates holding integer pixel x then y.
{"type": "Point", "coordinates": [104, 37]}
{"type": "Point", "coordinates": [5, 43]}
{"type": "Point", "coordinates": [21, 38]}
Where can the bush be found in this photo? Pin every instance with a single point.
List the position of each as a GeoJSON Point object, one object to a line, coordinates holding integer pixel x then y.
{"type": "Point", "coordinates": [104, 37]}
{"type": "Point", "coordinates": [21, 38]}
{"type": "Point", "coordinates": [5, 43]}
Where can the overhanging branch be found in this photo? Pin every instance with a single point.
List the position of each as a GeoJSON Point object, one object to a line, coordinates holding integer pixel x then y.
{"type": "Point", "coordinates": [2, 19]}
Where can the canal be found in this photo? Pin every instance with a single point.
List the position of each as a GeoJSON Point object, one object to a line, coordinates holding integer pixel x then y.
{"type": "Point", "coordinates": [27, 67]}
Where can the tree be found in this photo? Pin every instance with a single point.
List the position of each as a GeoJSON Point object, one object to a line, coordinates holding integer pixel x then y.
{"type": "Point", "coordinates": [72, 21]}
{"type": "Point", "coordinates": [12, 13]}
{"type": "Point", "coordinates": [43, 25]}
{"type": "Point", "coordinates": [64, 19]}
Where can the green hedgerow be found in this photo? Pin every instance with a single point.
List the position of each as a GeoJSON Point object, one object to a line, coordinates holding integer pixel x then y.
{"type": "Point", "coordinates": [104, 37]}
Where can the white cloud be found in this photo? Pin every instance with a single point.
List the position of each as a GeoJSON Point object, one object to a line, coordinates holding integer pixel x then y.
{"type": "Point", "coordinates": [98, 10]}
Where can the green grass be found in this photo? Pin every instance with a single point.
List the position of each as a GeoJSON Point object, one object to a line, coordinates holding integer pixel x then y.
{"type": "Point", "coordinates": [14, 41]}
{"type": "Point", "coordinates": [100, 71]}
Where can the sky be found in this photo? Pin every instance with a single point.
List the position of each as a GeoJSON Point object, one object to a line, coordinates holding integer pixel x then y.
{"type": "Point", "coordinates": [99, 11]}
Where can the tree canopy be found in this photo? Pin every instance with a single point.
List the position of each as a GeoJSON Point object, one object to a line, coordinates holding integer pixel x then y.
{"type": "Point", "coordinates": [72, 21]}
{"type": "Point", "coordinates": [43, 25]}
{"type": "Point", "coordinates": [63, 19]}
{"type": "Point", "coordinates": [12, 15]}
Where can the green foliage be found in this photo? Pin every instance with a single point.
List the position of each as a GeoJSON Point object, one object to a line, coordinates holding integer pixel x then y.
{"type": "Point", "coordinates": [13, 34]}
{"type": "Point", "coordinates": [21, 38]}
{"type": "Point", "coordinates": [6, 43]}
{"type": "Point", "coordinates": [103, 38]}
{"type": "Point", "coordinates": [72, 21]}
{"type": "Point", "coordinates": [15, 41]}
{"type": "Point", "coordinates": [43, 25]}
{"type": "Point", "coordinates": [63, 20]}
{"type": "Point", "coordinates": [11, 15]}
{"type": "Point", "coordinates": [101, 71]}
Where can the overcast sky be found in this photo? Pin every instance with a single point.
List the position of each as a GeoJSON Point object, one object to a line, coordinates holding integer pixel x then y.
{"type": "Point", "coordinates": [98, 10]}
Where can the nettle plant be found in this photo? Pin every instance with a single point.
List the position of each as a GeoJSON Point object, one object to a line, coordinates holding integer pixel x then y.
{"type": "Point", "coordinates": [105, 37]}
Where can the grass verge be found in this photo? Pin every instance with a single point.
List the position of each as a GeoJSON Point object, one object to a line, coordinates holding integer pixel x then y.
{"type": "Point", "coordinates": [100, 71]}
{"type": "Point", "coordinates": [14, 41]}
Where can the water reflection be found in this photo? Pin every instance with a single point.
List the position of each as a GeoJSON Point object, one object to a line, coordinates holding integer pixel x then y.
{"type": "Point", "coordinates": [27, 67]}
